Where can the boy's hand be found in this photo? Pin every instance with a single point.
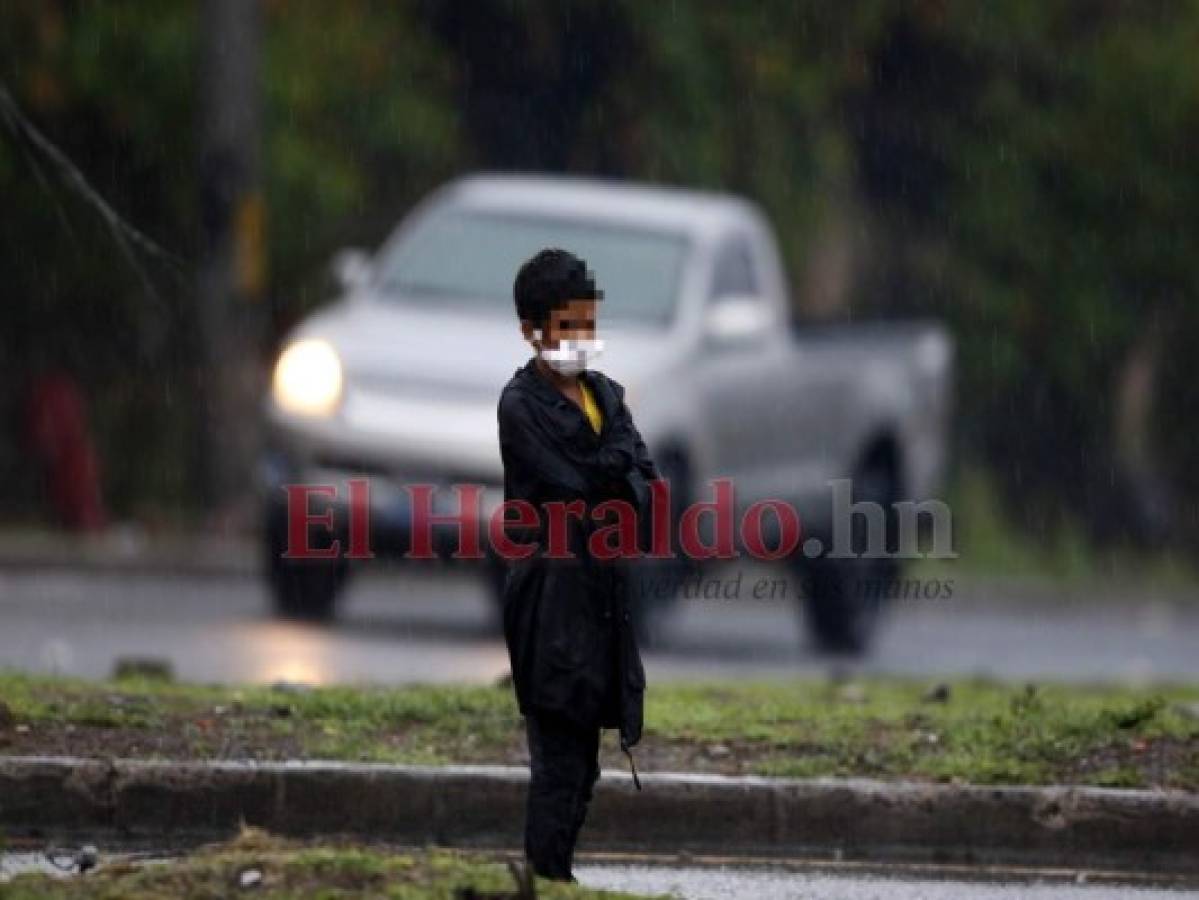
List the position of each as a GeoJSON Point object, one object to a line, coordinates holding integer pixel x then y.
{"type": "Point", "coordinates": [619, 452]}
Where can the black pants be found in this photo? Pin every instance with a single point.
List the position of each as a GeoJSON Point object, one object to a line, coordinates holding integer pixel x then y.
{"type": "Point", "coordinates": [563, 769]}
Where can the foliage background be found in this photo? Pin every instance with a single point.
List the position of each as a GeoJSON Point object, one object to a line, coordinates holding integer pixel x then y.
{"type": "Point", "coordinates": [1022, 170]}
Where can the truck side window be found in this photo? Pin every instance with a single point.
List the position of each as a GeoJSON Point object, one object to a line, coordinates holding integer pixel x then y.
{"type": "Point", "coordinates": [734, 273]}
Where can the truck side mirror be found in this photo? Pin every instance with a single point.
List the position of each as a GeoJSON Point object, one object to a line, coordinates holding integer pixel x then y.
{"type": "Point", "coordinates": [736, 319]}
{"type": "Point", "coordinates": [350, 269]}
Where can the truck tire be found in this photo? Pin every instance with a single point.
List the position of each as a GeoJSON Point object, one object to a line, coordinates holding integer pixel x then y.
{"type": "Point", "coordinates": [307, 592]}
{"type": "Point", "coordinates": [844, 598]}
{"type": "Point", "coordinates": [495, 573]}
{"type": "Point", "coordinates": [303, 589]}
{"type": "Point", "coordinates": [840, 619]}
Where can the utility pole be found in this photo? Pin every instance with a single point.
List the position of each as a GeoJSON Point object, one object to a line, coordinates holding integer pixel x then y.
{"type": "Point", "coordinates": [231, 276]}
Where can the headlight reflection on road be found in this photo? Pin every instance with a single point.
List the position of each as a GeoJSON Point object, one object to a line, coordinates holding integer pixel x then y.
{"type": "Point", "coordinates": [292, 653]}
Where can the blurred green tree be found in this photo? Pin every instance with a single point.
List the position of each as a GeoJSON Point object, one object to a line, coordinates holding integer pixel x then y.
{"type": "Point", "coordinates": [1021, 169]}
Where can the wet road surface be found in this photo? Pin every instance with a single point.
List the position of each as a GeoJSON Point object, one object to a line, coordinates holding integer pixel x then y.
{"type": "Point", "coordinates": [410, 625]}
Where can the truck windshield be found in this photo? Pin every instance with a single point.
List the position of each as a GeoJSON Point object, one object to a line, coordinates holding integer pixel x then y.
{"type": "Point", "coordinates": [470, 258]}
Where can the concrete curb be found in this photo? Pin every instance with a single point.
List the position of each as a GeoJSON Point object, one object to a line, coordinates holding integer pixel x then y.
{"type": "Point", "coordinates": [844, 819]}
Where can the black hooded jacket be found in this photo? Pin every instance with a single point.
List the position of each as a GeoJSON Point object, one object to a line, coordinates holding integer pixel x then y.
{"type": "Point", "coordinates": [566, 621]}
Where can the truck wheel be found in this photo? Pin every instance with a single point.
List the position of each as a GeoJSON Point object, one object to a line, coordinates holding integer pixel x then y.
{"type": "Point", "coordinates": [303, 589]}
{"type": "Point", "coordinates": [495, 571]}
{"type": "Point", "coordinates": [307, 592]}
{"type": "Point", "coordinates": [840, 617]}
{"type": "Point", "coordinates": [844, 597]}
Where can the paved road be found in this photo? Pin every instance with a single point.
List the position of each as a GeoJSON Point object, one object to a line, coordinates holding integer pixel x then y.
{"type": "Point", "coordinates": [435, 625]}
{"type": "Point", "coordinates": [777, 883]}
{"type": "Point", "coordinates": [774, 882]}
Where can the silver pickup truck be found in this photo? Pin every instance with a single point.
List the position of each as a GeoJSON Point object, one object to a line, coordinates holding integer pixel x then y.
{"type": "Point", "coordinates": [398, 379]}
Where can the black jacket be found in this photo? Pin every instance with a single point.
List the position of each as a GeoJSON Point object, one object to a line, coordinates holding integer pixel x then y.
{"type": "Point", "coordinates": [566, 621]}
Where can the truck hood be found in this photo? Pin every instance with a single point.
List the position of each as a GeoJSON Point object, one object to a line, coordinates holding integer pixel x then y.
{"type": "Point", "coordinates": [450, 351]}
{"type": "Point", "coordinates": [422, 383]}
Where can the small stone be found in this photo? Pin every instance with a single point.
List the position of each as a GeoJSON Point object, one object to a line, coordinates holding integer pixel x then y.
{"type": "Point", "coordinates": [220, 710]}
{"type": "Point", "coordinates": [250, 878]}
{"type": "Point", "coordinates": [938, 693]}
{"type": "Point", "coordinates": [22, 729]}
{"type": "Point", "coordinates": [718, 751]}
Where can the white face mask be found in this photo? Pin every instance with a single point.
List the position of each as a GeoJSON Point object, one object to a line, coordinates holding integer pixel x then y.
{"type": "Point", "coordinates": [572, 356]}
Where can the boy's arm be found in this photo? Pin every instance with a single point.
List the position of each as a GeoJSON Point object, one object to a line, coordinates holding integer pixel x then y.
{"type": "Point", "coordinates": [523, 443]}
{"type": "Point", "coordinates": [641, 457]}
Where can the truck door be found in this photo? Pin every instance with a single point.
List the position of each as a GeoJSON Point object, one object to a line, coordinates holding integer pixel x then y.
{"type": "Point", "coordinates": [740, 369]}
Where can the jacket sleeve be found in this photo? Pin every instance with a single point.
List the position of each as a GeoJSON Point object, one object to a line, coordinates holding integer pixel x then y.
{"type": "Point", "coordinates": [641, 458]}
{"type": "Point", "coordinates": [523, 444]}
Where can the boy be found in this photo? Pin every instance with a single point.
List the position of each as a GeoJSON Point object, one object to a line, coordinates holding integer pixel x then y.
{"type": "Point", "coordinates": [567, 435]}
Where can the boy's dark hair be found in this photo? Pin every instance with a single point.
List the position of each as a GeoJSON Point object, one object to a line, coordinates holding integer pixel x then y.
{"type": "Point", "coordinates": [549, 280]}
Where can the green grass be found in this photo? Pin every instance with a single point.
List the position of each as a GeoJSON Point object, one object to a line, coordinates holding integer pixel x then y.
{"type": "Point", "coordinates": [294, 869]}
{"type": "Point", "coordinates": [985, 732]}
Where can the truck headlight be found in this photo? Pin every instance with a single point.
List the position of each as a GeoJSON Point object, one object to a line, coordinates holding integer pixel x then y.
{"type": "Point", "coordinates": [308, 378]}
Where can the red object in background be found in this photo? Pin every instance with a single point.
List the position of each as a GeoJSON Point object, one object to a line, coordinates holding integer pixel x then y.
{"type": "Point", "coordinates": [58, 437]}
